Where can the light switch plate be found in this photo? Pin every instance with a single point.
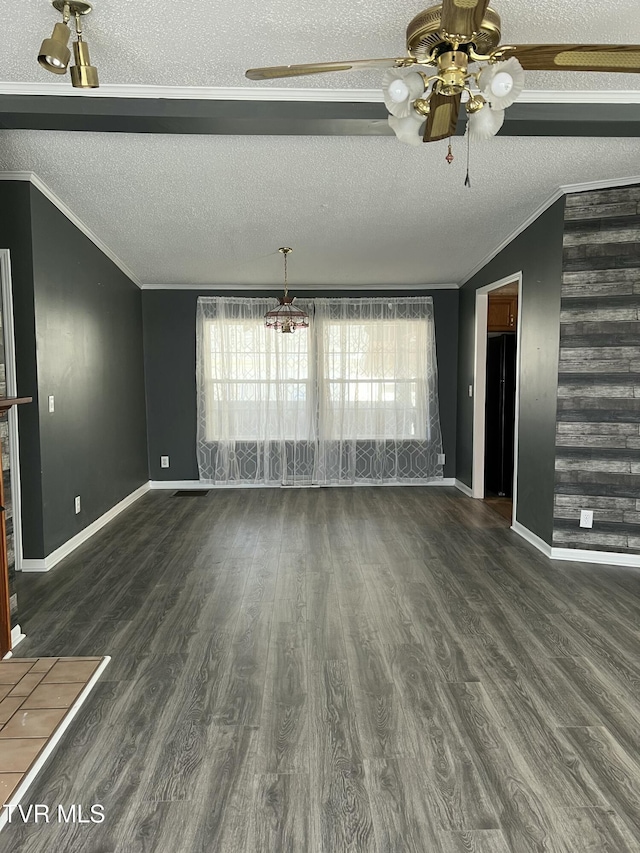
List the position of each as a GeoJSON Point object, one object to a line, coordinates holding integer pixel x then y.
{"type": "Point", "coordinates": [52, 405]}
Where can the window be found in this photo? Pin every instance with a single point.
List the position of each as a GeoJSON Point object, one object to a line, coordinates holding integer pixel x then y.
{"type": "Point", "coordinates": [374, 379]}
{"type": "Point", "coordinates": [351, 399]}
{"type": "Point", "coordinates": [258, 381]}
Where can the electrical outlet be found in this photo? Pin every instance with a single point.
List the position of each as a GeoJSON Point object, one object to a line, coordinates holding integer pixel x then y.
{"type": "Point", "coordinates": [471, 390]}
{"type": "Point", "coordinates": [52, 406]}
{"type": "Point", "coordinates": [164, 461]}
{"type": "Point", "coordinates": [441, 458]}
{"type": "Point", "coordinates": [586, 518]}
{"type": "Point", "coordinates": [77, 504]}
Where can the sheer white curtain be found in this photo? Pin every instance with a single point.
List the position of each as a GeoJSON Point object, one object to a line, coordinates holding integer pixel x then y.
{"type": "Point", "coordinates": [256, 396]}
{"type": "Point", "coordinates": [377, 389]}
{"type": "Point", "coordinates": [352, 399]}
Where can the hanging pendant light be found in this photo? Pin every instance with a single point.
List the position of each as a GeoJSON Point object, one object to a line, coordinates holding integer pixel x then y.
{"type": "Point", "coordinates": [286, 317]}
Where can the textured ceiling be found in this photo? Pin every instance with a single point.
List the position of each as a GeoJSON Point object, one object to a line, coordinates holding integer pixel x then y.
{"type": "Point", "coordinates": [211, 43]}
{"type": "Point", "coordinates": [357, 210]}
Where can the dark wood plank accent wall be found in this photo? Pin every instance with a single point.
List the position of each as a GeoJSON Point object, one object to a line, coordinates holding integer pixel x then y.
{"type": "Point", "coordinates": [598, 421]}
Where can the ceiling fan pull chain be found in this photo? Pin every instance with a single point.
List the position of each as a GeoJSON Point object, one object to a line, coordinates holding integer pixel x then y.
{"type": "Point", "coordinates": [467, 180]}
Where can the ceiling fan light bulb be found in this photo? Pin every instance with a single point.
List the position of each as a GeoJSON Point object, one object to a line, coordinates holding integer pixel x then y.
{"type": "Point", "coordinates": [398, 91]}
{"type": "Point", "coordinates": [502, 84]}
{"type": "Point", "coordinates": [400, 87]}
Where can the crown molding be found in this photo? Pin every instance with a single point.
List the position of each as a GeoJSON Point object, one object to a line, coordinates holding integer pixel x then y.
{"type": "Point", "coordinates": [46, 191]}
{"type": "Point", "coordinates": [254, 93]}
{"type": "Point", "coordinates": [604, 184]}
{"type": "Point", "coordinates": [579, 96]}
{"type": "Point", "coordinates": [557, 194]}
{"type": "Point", "coordinates": [566, 189]}
{"type": "Point", "coordinates": [302, 287]}
{"type": "Point", "coordinates": [195, 93]}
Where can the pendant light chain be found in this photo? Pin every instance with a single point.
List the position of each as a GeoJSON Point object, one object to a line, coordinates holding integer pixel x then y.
{"type": "Point", "coordinates": [286, 283]}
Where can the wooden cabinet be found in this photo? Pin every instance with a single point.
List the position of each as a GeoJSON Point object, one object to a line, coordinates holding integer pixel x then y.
{"type": "Point", "coordinates": [502, 314]}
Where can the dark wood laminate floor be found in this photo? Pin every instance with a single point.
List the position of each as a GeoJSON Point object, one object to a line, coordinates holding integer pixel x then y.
{"type": "Point", "coordinates": [339, 671]}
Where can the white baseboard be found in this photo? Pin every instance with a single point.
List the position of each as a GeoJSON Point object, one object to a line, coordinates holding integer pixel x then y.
{"type": "Point", "coordinates": [173, 485]}
{"type": "Point", "coordinates": [195, 485]}
{"type": "Point", "coordinates": [605, 558]}
{"type": "Point", "coordinates": [531, 538]}
{"type": "Point", "coordinates": [16, 637]}
{"type": "Point", "coordinates": [462, 487]}
{"type": "Point", "coordinates": [577, 555]}
{"type": "Point", "coordinates": [64, 550]}
{"type": "Point", "coordinates": [25, 784]}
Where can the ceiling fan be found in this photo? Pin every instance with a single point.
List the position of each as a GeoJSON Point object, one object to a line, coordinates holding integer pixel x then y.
{"type": "Point", "coordinates": [450, 37]}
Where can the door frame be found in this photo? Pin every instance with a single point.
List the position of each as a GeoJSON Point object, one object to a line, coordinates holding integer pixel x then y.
{"type": "Point", "coordinates": [480, 386]}
{"type": "Point", "coordinates": [6, 288]}
{"type": "Point", "coordinates": [12, 415]}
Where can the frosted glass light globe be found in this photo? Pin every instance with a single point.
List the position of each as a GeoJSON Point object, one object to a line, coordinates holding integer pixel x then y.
{"type": "Point", "coordinates": [501, 84]}
{"type": "Point", "coordinates": [398, 90]}
{"type": "Point", "coordinates": [409, 130]}
{"type": "Point", "coordinates": [484, 124]}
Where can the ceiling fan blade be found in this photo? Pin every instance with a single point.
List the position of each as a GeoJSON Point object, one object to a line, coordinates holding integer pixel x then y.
{"type": "Point", "coordinates": [276, 71]}
{"type": "Point", "coordinates": [462, 17]}
{"type": "Point", "coordinates": [443, 117]}
{"type": "Point", "coordinates": [578, 57]}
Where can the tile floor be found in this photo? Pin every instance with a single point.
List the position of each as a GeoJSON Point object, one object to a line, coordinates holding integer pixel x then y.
{"type": "Point", "coordinates": [36, 694]}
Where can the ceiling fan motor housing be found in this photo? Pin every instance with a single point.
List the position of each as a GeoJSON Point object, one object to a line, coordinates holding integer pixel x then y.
{"type": "Point", "coordinates": [424, 37]}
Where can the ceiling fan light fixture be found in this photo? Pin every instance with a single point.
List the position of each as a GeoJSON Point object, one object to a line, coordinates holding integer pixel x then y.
{"type": "Point", "coordinates": [54, 54]}
{"type": "Point", "coordinates": [400, 87]}
{"type": "Point", "coordinates": [409, 129]}
{"type": "Point", "coordinates": [502, 83]}
{"type": "Point", "coordinates": [484, 123]}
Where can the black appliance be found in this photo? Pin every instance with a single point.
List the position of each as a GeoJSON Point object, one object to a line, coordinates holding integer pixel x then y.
{"type": "Point", "coordinates": [500, 410]}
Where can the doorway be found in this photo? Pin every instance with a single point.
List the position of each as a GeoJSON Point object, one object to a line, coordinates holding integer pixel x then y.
{"type": "Point", "coordinates": [497, 369]}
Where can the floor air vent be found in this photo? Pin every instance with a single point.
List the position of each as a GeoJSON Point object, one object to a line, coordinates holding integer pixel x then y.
{"type": "Point", "coordinates": [190, 493]}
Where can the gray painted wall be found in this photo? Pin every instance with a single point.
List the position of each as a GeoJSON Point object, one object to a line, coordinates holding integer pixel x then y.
{"type": "Point", "coordinates": [537, 252]}
{"type": "Point", "coordinates": [169, 345]}
{"type": "Point", "coordinates": [598, 430]}
{"type": "Point", "coordinates": [89, 356]}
